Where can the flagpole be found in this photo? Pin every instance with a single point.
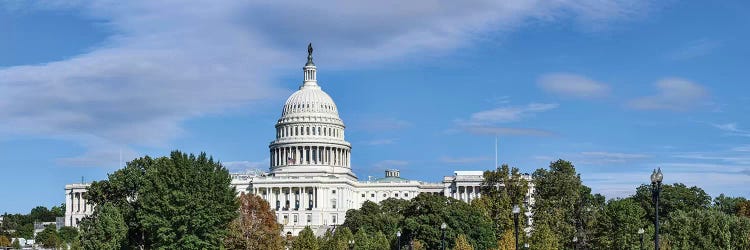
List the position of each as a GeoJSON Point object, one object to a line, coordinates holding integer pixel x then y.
{"type": "Point", "coordinates": [495, 152]}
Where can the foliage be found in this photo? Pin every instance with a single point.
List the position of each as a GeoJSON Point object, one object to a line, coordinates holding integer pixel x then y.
{"type": "Point", "coordinates": [707, 229]}
{"type": "Point", "coordinates": [68, 234]}
{"type": "Point", "coordinates": [48, 237]}
{"type": "Point", "coordinates": [380, 242]}
{"type": "Point", "coordinates": [501, 189]}
{"type": "Point", "coordinates": [15, 244]}
{"type": "Point", "coordinates": [559, 200]}
{"type": "Point", "coordinates": [672, 198]}
{"type": "Point", "coordinates": [617, 226]}
{"type": "Point", "coordinates": [362, 240]}
{"type": "Point", "coordinates": [372, 217]}
{"type": "Point", "coordinates": [418, 245]}
{"type": "Point", "coordinates": [4, 241]}
{"type": "Point", "coordinates": [743, 209]}
{"type": "Point", "coordinates": [728, 205]}
{"type": "Point", "coordinates": [255, 227]}
{"type": "Point", "coordinates": [76, 245]}
{"type": "Point", "coordinates": [462, 244]}
{"type": "Point", "coordinates": [421, 217]}
{"type": "Point", "coordinates": [163, 201]}
{"type": "Point", "coordinates": [305, 240]}
{"type": "Point", "coordinates": [427, 212]}
{"type": "Point", "coordinates": [507, 241]}
{"type": "Point", "coordinates": [105, 229]}
{"type": "Point", "coordinates": [542, 238]}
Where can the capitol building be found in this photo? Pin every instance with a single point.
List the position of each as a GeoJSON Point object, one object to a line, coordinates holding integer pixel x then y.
{"type": "Point", "coordinates": [310, 181]}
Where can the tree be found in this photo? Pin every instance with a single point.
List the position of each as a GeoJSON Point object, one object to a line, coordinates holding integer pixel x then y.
{"type": "Point", "coordinates": [305, 241]}
{"type": "Point", "coordinates": [743, 208]}
{"type": "Point", "coordinates": [501, 189]}
{"type": "Point", "coordinates": [426, 212]}
{"type": "Point", "coordinates": [15, 244]}
{"type": "Point", "coordinates": [255, 227]}
{"type": "Point", "coordinates": [4, 241]}
{"type": "Point", "coordinates": [542, 238]}
{"type": "Point", "coordinates": [462, 243]}
{"type": "Point", "coordinates": [68, 234]}
{"type": "Point", "coordinates": [728, 205]}
{"type": "Point", "coordinates": [558, 200]}
{"type": "Point", "coordinates": [104, 229]}
{"type": "Point", "coordinates": [41, 214]}
{"type": "Point", "coordinates": [707, 229]}
{"type": "Point", "coordinates": [341, 238]}
{"type": "Point", "coordinates": [362, 240]}
{"type": "Point", "coordinates": [25, 231]}
{"type": "Point", "coordinates": [617, 226]}
{"type": "Point", "coordinates": [58, 211]}
{"type": "Point", "coordinates": [673, 197]}
{"type": "Point", "coordinates": [380, 242]}
{"type": "Point", "coordinates": [372, 217]}
{"type": "Point", "coordinates": [165, 201]}
{"type": "Point", "coordinates": [48, 237]}
{"type": "Point", "coordinates": [507, 241]}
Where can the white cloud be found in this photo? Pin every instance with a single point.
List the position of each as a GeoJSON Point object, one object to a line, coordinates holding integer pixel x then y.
{"type": "Point", "coordinates": [571, 85]}
{"type": "Point", "coordinates": [169, 61]}
{"type": "Point", "coordinates": [496, 130]}
{"type": "Point", "coordinates": [511, 113]}
{"type": "Point", "coordinates": [609, 157]}
{"type": "Point", "coordinates": [238, 166]}
{"type": "Point", "coordinates": [674, 94]}
{"type": "Point", "coordinates": [733, 129]}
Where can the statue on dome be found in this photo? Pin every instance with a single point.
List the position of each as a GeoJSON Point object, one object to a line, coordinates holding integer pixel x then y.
{"type": "Point", "coordinates": [309, 50]}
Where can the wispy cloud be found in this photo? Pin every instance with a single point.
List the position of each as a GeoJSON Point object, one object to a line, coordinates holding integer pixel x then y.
{"type": "Point", "coordinates": [610, 157]}
{"type": "Point", "coordinates": [377, 124]}
{"type": "Point", "coordinates": [572, 85]}
{"type": "Point", "coordinates": [240, 166]}
{"type": "Point", "coordinates": [464, 160]}
{"type": "Point", "coordinates": [732, 129]}
{"type": "Point", "coordinates": [673, 94]}
{"type": "Point", "coordinates": [162, 65]}
{"type": "Point", "coordinates": [694, 49]}
{"type": "Point", "coordinates": [488, 122]}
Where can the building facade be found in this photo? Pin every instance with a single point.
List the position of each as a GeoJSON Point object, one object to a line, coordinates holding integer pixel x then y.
{"type": "Point", "coordinates": [310, 180]}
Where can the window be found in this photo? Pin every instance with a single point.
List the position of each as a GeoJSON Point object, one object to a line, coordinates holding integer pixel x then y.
{"type": "Point", "coordinates": [406, 194]}
{"type": "Point", "coordinates": [385, 195]}
{"type": "Point", "coordinates": [286, 219]}
{"type": "Point", "coordinates": [396, 194]}
{"type": "Point", "coordinates": [333, 191]}
{"type": "Point", "coordinates": [363, 195]}
{"type": "Point", "coordinates": [333, 218]}
{"type": "Point", "coordinates": [333, 203]}
{"type": "Point", "coordinates": [372, 195]}
{"type": "Point", "coordinates": [309, 218]}
{"type": "Point", "coordinates": [295, 219]}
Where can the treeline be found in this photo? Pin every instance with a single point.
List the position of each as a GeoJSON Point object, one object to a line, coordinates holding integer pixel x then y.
{"type": "Point", "coordinates": [186, 202]}
{"type": "Point", "coordinates": [22, 226]}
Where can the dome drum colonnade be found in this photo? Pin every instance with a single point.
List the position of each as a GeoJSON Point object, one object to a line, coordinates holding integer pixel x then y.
{"type": "Point", "coordinates": [310, 134]}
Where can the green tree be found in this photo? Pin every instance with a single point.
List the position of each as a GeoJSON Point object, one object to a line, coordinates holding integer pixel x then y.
{"type": "Point", "coordinates": [341, 238]}
{"type": "Point", "coordinates": [68, 234]}
{"type": "Point", "coordinates": [256, 226]}
{"type": "Point", "coordinates": [462, 244]}
{"type": "Point", "coordinates": [617, 226]}
{"type": "Point", "coordinates": [380, 242]}
{"type": "Point", "coordinates": [426, 212]}
{"type": "Point", "coordinates": [15, 244]}
{"type": "Point", "coordinates": [4, 241]}
{"type": "Point", "coordinates": [105, 229]}
{"type": "Point", "coordinates": [372, 217]}
{"type": "Point", "coordinates": [362, 240]}
{"type": "Point", "coordinates": [728, 205]}
{"type": "Point", "coordinates": [305, 241]}
{"type": "Point", "coordinates": [501, 189]}
{"type": "Point", "coordinates": [673, 197]}
{"type": "Point", "coordinates": [41, 214]}
{"type": "Point", "coordinates": [58, 211]}
{"type": "Point", "coordinates": [743, 208]}
{"type": "Point", "coordinates": [542, 238]}
{"type": "Point", "coordinates": [25, 231]}
{"type": "Point", "coordinates": [171, 209]}
{"type": "Point", "coordinates": [48, 237]}
{"type": "Point", "coordinates": [707, 229]}
{"type": "Point", "coordinates": [558, 200]}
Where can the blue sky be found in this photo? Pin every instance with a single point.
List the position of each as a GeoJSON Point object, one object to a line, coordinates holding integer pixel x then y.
{"type": "Point", "coordinates": [617, 88]}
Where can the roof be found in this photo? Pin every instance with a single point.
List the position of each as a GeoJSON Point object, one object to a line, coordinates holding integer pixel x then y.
{"type": "Point", "coordinates": [392, 179]}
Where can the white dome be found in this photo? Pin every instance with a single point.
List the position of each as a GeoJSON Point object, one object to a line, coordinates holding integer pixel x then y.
{"type": "Point", "coordinates": [310, 100]}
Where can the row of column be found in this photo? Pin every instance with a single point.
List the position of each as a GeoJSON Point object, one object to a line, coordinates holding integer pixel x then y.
{"type": "Point", "coordinates": [294, 130]}
{"type": "Point", "coordinates": [466, 193]}
{"type": "Point", "coordinates": [310, 155]}
{"type": "Point", "coordinates": [78, 204]}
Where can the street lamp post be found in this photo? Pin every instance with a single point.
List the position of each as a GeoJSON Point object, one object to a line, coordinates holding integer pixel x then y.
{"type": "Point", "coordinates": [398, 235]}
{"type": "Point", "coordinates": [640, 232]}
{"type": "Point", "coordinates": [351, 244]}
{"type": "Point", "coordinates": [526, 246]}
{"type": "Point", "coordinates": [656, 178]}
{"type": "Point", "coordinates": [575, 242]}
{"type": "Point", "coordinates": [442, 228]}
{"type": "Point", "coordinates": [516, 211]}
